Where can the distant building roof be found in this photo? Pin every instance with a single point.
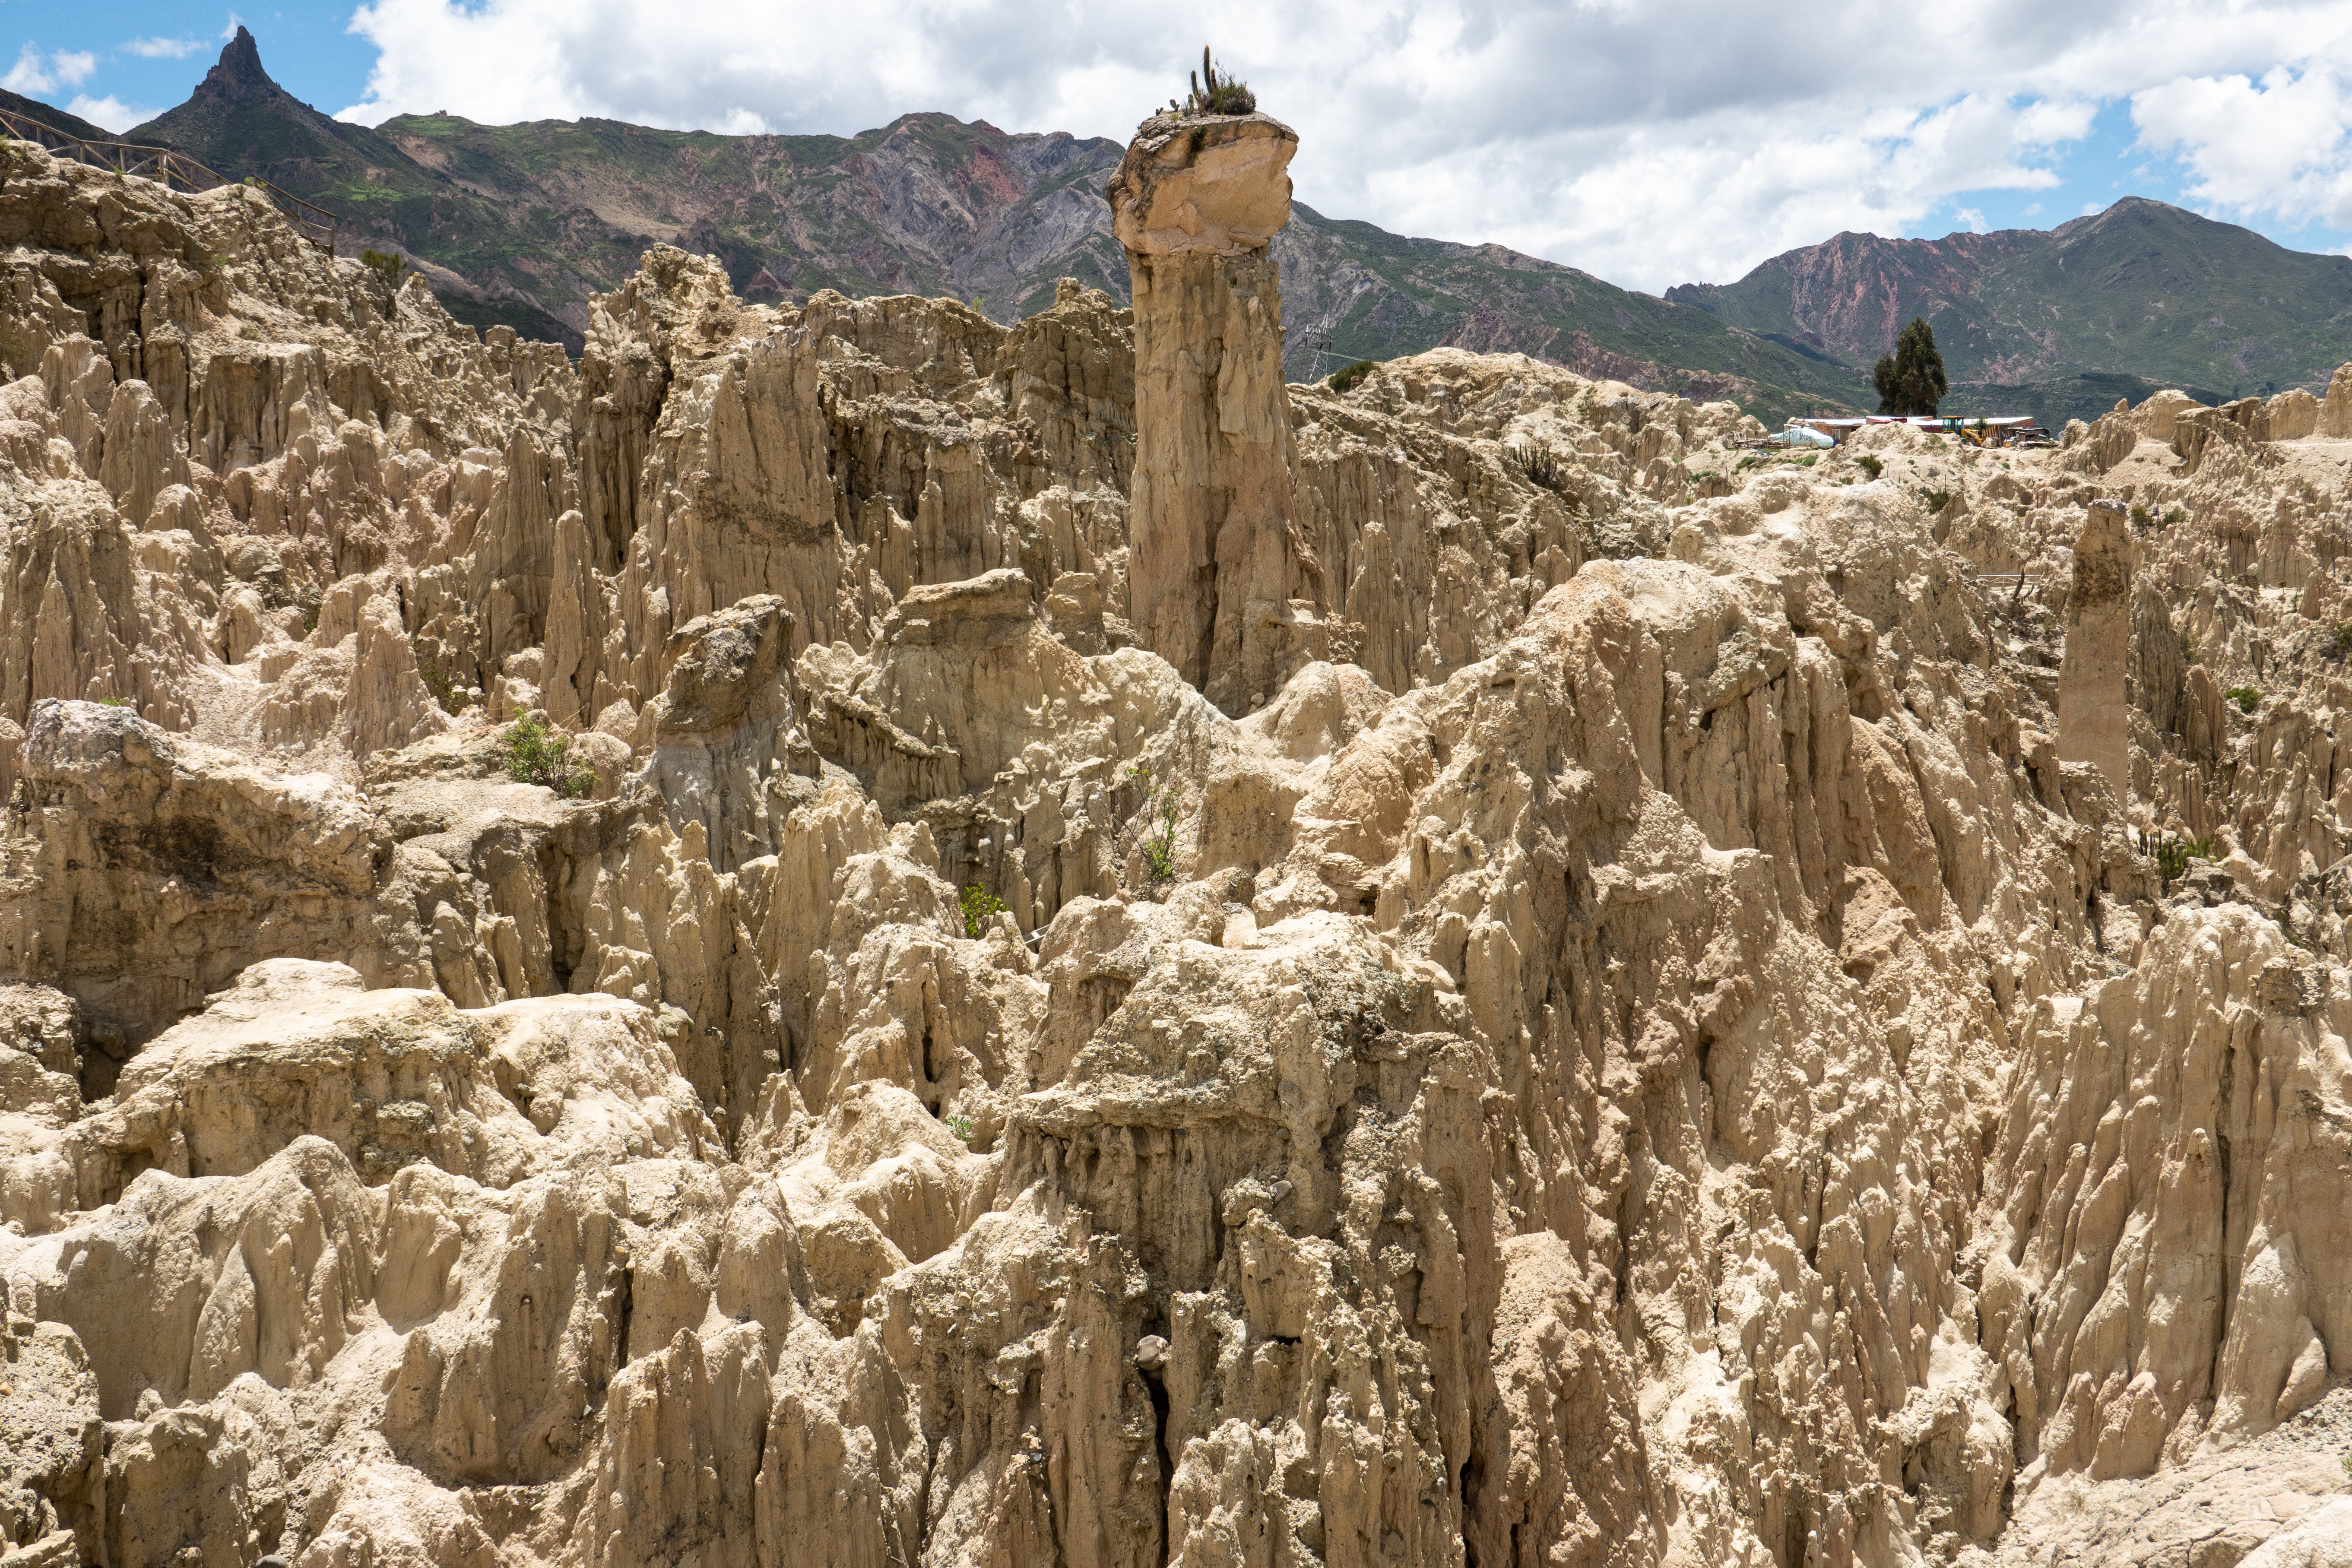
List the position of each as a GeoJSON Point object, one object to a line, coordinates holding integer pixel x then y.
{"type": "Point", "coordinates": [1921, 421]}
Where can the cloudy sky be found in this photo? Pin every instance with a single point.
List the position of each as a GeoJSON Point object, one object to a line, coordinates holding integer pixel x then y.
{"type": "Point", "coordinates": [1653, 144]}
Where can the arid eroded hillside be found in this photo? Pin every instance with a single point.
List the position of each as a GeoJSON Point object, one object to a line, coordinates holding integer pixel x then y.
{"type": "Point", "coordinates": [844, 934]}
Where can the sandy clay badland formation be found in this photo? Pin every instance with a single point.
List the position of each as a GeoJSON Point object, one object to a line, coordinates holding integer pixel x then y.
{"type": "Point", "coordinates": [1102, 960]}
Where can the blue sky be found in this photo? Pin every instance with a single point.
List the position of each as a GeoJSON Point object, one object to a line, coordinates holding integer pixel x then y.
{"type": "Point", "coordinates": [2096, 171]}
{"type": "Point", "coordinates": [1647, 142]}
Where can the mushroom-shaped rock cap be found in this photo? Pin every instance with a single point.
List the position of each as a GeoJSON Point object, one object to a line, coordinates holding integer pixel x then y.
{"type": "Point", "coordinates": [1203, 181]}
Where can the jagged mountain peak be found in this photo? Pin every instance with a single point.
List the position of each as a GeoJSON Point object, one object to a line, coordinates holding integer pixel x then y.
{"type": "Point", "coordinates": [239, 69]}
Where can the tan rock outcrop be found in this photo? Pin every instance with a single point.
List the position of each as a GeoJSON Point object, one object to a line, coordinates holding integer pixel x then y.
{"type": "Point", "coordinates": [2336, 408]}
{"type": "Point", "coordinates": [1217, 574]}
{"type": "Point", "coordinates": [2092, 710]}
{"type": "Point", "coordinates": [1028, 764]}
{"type": "Point", "coordinates": [2293, 414]}
{"type": "Point", "coordinates": [2156, 415]}
{"type": "Point", "coordinates": [913, 465]}
{"type": "Point", "coordinates": [52, 1512]}
{"type": "Point", "coordinates": [2135, 1128]}
{"type": "Point", "coordinates": [722, 732]}
{"type": "Point", "coordinates": [2234, 427]}
{"type": "Point", "coordinates": [147, 869]}
{"type": "Point", "coordinates": [2105, 443]}
{"type": "Point", "coordinates": [1435, 540]}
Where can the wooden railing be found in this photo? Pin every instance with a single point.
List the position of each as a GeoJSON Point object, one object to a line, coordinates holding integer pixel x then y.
{"type": "Point", "coordinates": [175, 169]}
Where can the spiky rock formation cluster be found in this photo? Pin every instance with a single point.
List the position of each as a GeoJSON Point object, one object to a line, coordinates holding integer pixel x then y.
{"type": "Point", "coordinates": [1650, 1048]}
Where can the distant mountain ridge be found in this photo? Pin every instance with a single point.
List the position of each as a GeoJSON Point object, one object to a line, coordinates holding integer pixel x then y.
{"type": "Point", "coordinates": [2142, 291]}
{"type": "Point", "coordinates": [56, 119]}
{"type": "Point", "coordinates": [522, 224]}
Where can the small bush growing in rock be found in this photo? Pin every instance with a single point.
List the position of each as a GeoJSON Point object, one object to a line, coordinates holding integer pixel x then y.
{"type": "Point", "coordinates": [1869, 465]}
{"type": "Point", "coordinates": [2247, 698]}
{"type": "Point", "coordinates": [980, 907]}
{"type": "Point", "coordinates": [387, 265]}
{"type": "Point", "coordinates": [446, 694]}
{"type": "Point", "coordinates": [1158, 848]}
{"type": "Point", "coordinates": [539, 755]}
{"type": "Point", "coordinates": [1540, 466]}
{"type": "Point", "coordinates": [2172, 855]}
{"type": "Point", "coordinates": [1349, 377]}
{"type": "Point", "coordinates": [2343, 639]}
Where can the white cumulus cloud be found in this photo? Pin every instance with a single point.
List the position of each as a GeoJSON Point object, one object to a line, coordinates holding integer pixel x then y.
{"type": "Point", "coordinates": [1648, 141]}
{"type": "Point", "coordinates": [110, 112]}
{"type": "Point", "coordinates": [2279, 146]}
{"type": "Point", "coordinates": [164, 48]}
{"type": "Point", "coordinates": [37, 73]}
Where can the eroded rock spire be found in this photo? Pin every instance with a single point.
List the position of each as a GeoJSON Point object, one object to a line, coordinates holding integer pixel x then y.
{"type": "Point", "coordinates": [1215, 564]}
{"type": "Point", "coordinates": [2092, 711]}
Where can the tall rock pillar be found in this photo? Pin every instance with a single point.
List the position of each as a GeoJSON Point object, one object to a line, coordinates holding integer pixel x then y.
{"type": "Point", "coordinates": [2335, 413]}
{"type": "Point", "coordinates": [2094, 723]}
{"type": "Point", "coordinates": [1213, 564]}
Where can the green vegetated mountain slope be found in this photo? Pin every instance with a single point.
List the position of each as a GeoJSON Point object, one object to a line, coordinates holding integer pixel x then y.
{"type": "Point", "coordinates": [930, 204]}
{"type": "Point", "coordinates": [927, 204]}
{"type": "Point", "coordinates": [522, 224]}
{"type": "Point", "coordinates": [2140, 296]}
{"type": "Point", "coordinates": [56, 119]}
{"type": "Point", "coordinates": [239, 122]}
{"type": "Point", "coordinates": [1351, 292]}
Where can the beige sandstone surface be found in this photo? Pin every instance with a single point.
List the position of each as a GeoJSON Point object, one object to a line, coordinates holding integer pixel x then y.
{"type": "Point", "coordinates": [1615, 1010]}
{"type": "Point", "coordinates": [1222, 583]}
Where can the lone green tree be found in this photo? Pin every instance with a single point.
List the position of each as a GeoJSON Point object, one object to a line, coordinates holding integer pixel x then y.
{"type": "Point", "coordinates": [387, 265]}
{"type": "Point", "coordinates": [1911, 380]}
